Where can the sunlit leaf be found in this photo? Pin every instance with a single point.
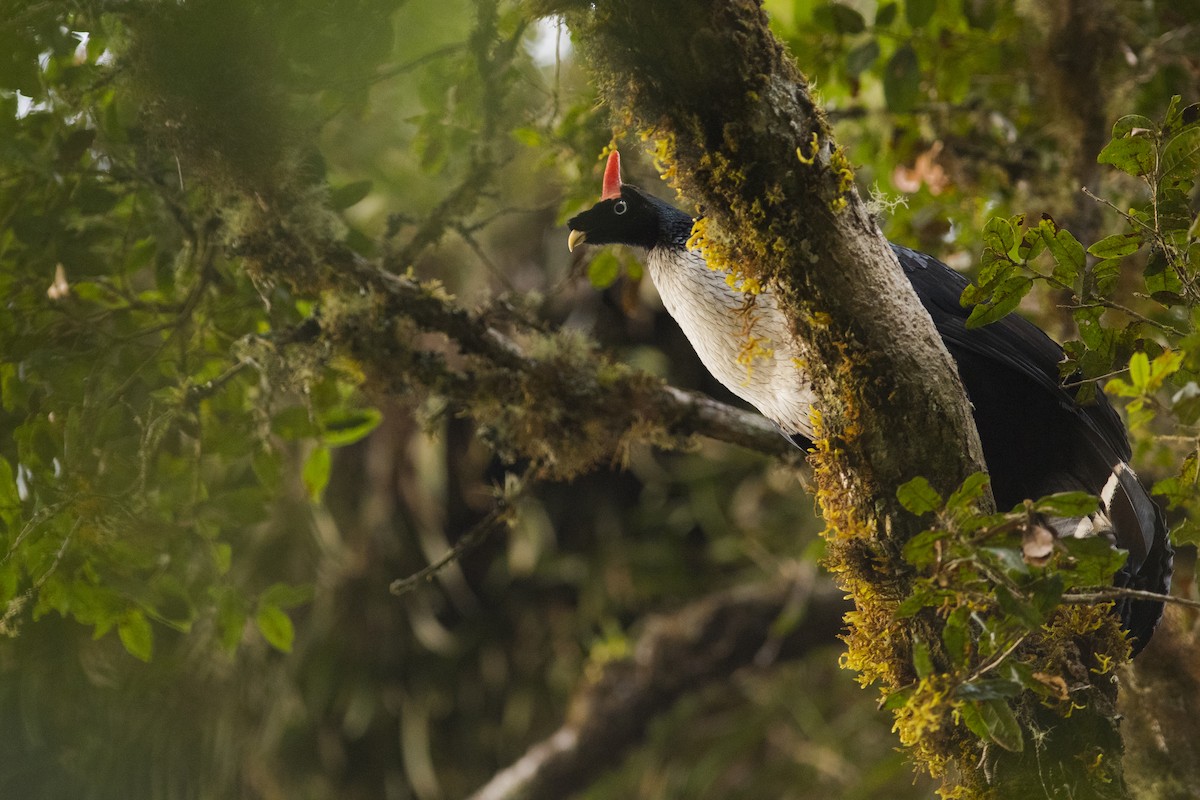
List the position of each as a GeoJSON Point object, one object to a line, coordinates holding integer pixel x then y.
{"type": "Point", "coordinates": [136, 635]}
{"type": "Point", "coordinates": [317, 469]}
{"type": "Point", "coordinates": [275, 626]}
{"type": "Point", "coordinates": [346, 426]}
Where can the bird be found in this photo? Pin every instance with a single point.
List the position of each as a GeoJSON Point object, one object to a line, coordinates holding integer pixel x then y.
{"type": "Point", "coordinates": [1038, 436]}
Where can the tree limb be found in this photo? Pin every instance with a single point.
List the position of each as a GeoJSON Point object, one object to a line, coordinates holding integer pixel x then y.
{"type": "Point", "coordinates": [546, 396]}
{"type": "Point", "coordinates": [676, 654]}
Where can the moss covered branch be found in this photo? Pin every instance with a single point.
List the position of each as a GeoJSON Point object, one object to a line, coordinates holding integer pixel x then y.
{"type": "Point", "coordinates": [552, 397]}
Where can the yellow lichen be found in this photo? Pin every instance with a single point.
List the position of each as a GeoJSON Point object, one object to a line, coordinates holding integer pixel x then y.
{"type": "Point", "coordinates": [845, 176]}
{"type": "Point", "coordinates": [664, 156]}
{"type": "Point", "coordinates": [815, 144]}
{"type": "Point", "coordinates": [752, 349]}
{"type": "Point", "coordinates": [696, 240]}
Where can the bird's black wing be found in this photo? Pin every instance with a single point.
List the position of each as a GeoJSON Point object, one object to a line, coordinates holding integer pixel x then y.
{"type": "Point", "coordinates": [1012, 341]}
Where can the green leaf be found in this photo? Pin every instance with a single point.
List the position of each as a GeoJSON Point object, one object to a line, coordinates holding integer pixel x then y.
{"type": "Point", "coordinates": [530, 137]}
{"type": "Point", "coordinates": [222, 554]}
{"type": "Point", "coordinates": [1105, 274]}
{"type": "Point", "coordinates": [603, 270]}
{"type": "Point", "coordinates": [1094, 561]}
{"type": "Point", "coordinates": [1032, 243]}
{"type": "Point", "coordinates": [999, 235]}
{"type": "Point", "coordinates": [1162, 282]}
{"type": "Point", "coordinates": [1139, 372]}
{"type": "Point", "coordinates": [75, 145]}
{"type": "Point", "coordinates": [9, 498]}
{"type": "Point", "coordinates": [886, 15]}
{"type": "Point", "coordinates": [839, 18]}
{"type": "Point", "coordinates": [136, 635]}
{"type": "Point", "coordinates": [919, 12]}
{"type": "Point", "coordinates": [286, 595]}
{"type": "Point", "coordinates": [1118, 245]}
{"type": "Point", "coordinates": [1017, 607]}
{"type": "Point", "coordinates": [346, 426]}
{"type": "Point", "coordinates": [1181, 488]}
{"type": "Point", "coordinates": [1067, 504]}
{"type": "Point", "coordinates": [1178, 118]}
{"type": "Point", "coordinates": [275, 626]}
{"type": "Point", "coordinates": [317, 469]}
{"type": "Point", "coordinates": [1185, 403]}
{"type": "Point", "coordinates": [1181, 157]}
{"type": "Point", "coordinates": [862, 58]}
{"type": "Point", "coordinates": [956, 636]}
{"type": "Point", "coordinates": [902, 80]}
{"type": "Point", "coordinates": [1005, 298]}
{"type": "Point", "coordinates": [1133, 155]}
{"type": "Point", "coordinates": [1134, 125]}
{"type": "Point", "coordinates": [995, 268]}
{"type": "Point", "coordinates": [966, 496]}
{"type": "Point", "coordinates": [981, 14]}
{"type": "Point", "coordinates": [349, 194]}
{"type": "Point", "coordinates": [994, 721]}
{"type": "Point", "coordinates": [231, 619]}
{"type": "Point", "coordinates": [1067, 252]}
{"type": "Point", "coordinates": [918, 496]}
{"type": "Point", "coordinates": [897, 699]}
{"type": "Point", "coordinates": [1186, 533]}
{"type": "Point", "coordinates": [922, 660]}
{"type": "Point", "coordinates": [921, 549]}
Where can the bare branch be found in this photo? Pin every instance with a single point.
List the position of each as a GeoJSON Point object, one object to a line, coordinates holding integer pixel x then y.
{"type": "Point", "coordinates": [676, 654]}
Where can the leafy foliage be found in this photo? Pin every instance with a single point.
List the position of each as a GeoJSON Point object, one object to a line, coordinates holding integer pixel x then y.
{"type": "Point", "coordinates": [995, 583]}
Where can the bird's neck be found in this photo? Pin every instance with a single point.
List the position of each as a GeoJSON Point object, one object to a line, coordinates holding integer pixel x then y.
{"type": "Point", "coordinates": [674, 226]}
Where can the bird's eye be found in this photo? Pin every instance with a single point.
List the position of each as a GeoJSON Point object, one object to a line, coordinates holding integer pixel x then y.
{"type": "Point", "coordinates": [620, 207]}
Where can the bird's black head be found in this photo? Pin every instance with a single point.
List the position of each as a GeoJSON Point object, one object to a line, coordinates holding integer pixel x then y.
{"type": "Point", "coordinates": [627, 215]}
{"type": "Point", "coordinates": [632, 218]}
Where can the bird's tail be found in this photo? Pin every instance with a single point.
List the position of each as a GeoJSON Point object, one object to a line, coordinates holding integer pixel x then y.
{"type": "Point", "coordinates": [1136, 525]}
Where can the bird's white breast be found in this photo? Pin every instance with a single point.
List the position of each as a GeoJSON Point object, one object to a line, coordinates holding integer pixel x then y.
{"type": "Point", "coordinates": [743, 340]}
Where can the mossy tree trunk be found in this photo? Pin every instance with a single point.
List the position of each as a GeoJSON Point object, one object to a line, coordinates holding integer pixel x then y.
{"type": "Point", "coordinates": [738, 133]}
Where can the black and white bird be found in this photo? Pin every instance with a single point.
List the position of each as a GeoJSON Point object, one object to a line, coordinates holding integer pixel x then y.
{"type": "Point", "coordinates": [1037, 438]}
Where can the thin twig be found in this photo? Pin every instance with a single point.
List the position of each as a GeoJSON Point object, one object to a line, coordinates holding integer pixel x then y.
{"type": "Point", "coordinates": [1115, 306]}
{"type": "Point", "coordinates": [1117, 592]}
{"type": "Point", "coordinates": [500, 515]}
{"type": "Point", "coordinates": [408, 66]}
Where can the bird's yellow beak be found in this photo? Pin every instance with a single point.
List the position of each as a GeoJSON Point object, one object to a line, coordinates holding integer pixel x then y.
{"type": "Point", "coordinates": [575, 239]}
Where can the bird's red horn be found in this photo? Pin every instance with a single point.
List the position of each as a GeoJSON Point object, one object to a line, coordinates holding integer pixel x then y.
{"type": "Point", "coordinates": [612, 177]}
